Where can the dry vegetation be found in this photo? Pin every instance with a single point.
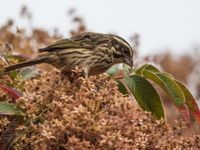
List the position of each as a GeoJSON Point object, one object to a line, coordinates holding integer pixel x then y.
{"type": "Point", "coordinates": [90, 114]}
{"type": "Point", "coordinates": [80, 113]}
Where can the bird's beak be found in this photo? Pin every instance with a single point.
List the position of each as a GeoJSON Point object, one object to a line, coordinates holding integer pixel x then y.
{"type": "Point", "coordinates": [129, 61]}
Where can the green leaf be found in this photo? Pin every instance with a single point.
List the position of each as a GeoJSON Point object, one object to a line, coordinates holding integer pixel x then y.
{"type": "Point", "coordinates": [9, 109]}
{"type": "Point", "coordinates": [126, 69]}
{"type": "Point", "coordinates": [121, 87]}
{"type": "Point", "coordinates": [145, 94]}
{"type": "Point", "coordinates": [112, 71]}
{"type": "Point", "coordinates": [172, 89]}
{"type": "Point", "coordinates": [153, 77]}
{"type": "Point", "coordinates": [139, 70]}
{"type": "Point", "coordinates": [28, 73]}
{"type": "Point", "coordinates": [167, 84]}
{"type": "Point", "coordinates": [151, 68]}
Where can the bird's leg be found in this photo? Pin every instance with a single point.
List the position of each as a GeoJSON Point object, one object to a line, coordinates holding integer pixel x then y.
{"type": "Point", "coordinates": [86, 71]}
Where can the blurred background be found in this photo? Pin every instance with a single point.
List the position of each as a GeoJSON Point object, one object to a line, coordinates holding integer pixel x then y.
{"type": "Point", "coordinates": [166, 33]}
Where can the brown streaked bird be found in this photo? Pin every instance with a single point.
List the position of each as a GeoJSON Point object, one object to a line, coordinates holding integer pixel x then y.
{"type": "Point", "coordinates": [93, 52]}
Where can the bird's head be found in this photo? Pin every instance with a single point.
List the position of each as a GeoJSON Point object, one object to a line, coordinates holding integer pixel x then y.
{"type": "Point", "coordinates": [122, 51]}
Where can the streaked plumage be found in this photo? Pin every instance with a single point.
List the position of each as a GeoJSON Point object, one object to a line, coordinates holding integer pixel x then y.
{"type": "Point", "coordinates": [94, 52]}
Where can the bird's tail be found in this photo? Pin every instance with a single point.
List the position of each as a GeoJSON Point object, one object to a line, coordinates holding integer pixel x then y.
{"type": "Point", "coordinates": [25, 64]}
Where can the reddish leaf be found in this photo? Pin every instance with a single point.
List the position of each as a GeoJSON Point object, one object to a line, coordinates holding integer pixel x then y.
{"type": "Point", "coordinates": [197, 116]}
{"type": "Point", "coordinates": [190, 102]}
{"type": "Point", "coordinates": [183, 109]}
{"type": "Point", "coordinates": [11, 91]}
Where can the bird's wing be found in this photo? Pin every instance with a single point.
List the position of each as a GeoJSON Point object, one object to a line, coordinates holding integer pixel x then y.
{"type": "Point", "coordinates": [61, 44]}
{"type": "Point", "coordinates": [85, 40]}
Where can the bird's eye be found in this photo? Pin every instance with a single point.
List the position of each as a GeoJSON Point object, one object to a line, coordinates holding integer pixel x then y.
{"type": "Point", "coordinates": [126, 51]}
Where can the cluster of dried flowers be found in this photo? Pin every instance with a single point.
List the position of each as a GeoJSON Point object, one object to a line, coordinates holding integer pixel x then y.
{"type": "Point", "coordinates": [81, 113]}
